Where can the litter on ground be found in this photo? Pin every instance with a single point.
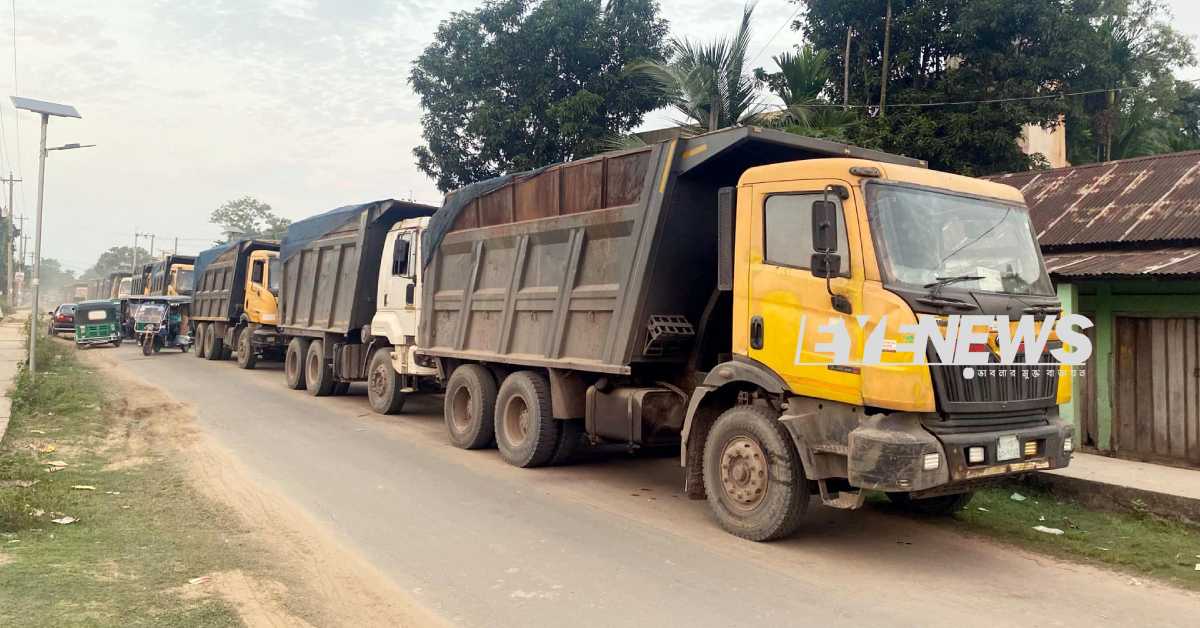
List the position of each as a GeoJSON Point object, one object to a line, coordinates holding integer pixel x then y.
{"type": "Point", "coordinates": [1017, 497]}
{"type": "Point", "coordinates": [83, 487]}
{"type": "Point", "coordinates": [1054, 531]}
{"type": "Point", "coordinates": [64, 520]}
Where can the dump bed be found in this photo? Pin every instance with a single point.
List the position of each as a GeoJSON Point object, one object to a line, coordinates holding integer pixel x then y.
{"type": "Point", "coordinates": [220, 293]}
{"type": "Point", "coordinates": [597, 264]}
{"type": "Point", "coordinates": [331, 266]}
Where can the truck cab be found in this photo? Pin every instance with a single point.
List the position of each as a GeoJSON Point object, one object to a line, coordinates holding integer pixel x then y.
{"type": "Point", "coordinates": [182, 280]}
{"type": "Point", "coordinates": [398, 299]}
{"type": "Point", "coordinates": [124, 287]}
{"type": "Point", "coordinates": [262, 288]}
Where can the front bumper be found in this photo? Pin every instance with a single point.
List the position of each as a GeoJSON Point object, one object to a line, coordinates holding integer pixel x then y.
{"type": "Point", "coordinates": [890, 453]}
{"type": "Point", "coordinates": [98, 340]}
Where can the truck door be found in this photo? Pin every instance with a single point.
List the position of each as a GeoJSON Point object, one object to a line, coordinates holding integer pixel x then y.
{"type": "Point", "coordinates": [398, 286]}
{"type": "Point", "coordinates": [260, 303]}
{"type": "Point", "coordinates": [787, 303]}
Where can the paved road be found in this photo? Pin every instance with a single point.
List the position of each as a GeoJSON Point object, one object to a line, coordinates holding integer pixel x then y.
{"type": "Point", "coordinates": [611, 541]}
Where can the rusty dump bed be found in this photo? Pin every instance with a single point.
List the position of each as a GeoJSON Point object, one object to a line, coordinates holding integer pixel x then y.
{"type": "Point", "coordinates": [220, 293]}
{"type": "Point", "coordinates": [330, 266]}
{"type": "Point", "coordinates": [598, 264]}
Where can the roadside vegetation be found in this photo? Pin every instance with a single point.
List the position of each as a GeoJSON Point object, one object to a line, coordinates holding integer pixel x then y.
{"type": "Point", "coordinates": [1138, 543]}
{"type": "Point", "coordinates": [89, 536]}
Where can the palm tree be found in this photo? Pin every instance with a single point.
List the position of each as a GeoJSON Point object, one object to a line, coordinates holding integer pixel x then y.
{"type": "Point", "coordinates": [801, 82]}
{"type": "Point", "coordinates": [707, 82]}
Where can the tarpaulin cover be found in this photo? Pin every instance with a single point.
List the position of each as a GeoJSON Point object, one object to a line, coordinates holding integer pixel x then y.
{"type": "Point", "coordinates": [455, 202]}
{"type": "Point", "coordinates": [302, 232]}
{"type": "Point", "coordinates": [207, 256]}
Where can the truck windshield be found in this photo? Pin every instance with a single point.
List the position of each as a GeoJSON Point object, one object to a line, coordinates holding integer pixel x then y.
{"type": "Point", "coordinates": [184, 280]}
{"type": "Point", "coordinates": [273, 276]}
{"type": "Point", "coordinates": [926, 238]}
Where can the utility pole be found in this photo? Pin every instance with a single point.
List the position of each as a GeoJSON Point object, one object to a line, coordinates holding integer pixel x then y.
{"type": "Point", "coordinates": [846, 70]}
{"type": "Point", "coordinates": [8, 244]}
{"type": "Point", "coordinates": [133, 264]}
{"type": "Point", "coordinates": [176, 246]}
{"type": "Point", "coordinates": [151, 246]}
{"type": "Point", "coordinates": [887, 44]}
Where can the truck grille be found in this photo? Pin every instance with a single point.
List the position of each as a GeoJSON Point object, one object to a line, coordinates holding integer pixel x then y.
{"type": "Point", "coordinates": [996, 387]}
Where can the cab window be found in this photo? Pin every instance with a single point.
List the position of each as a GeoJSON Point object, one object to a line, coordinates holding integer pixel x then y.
{"type": "Point", "coordinates": [402, 254]}
{"type": "Point", "coordinates": [787, 221]}
{"type": "Point", "coordinates": [256, 271]}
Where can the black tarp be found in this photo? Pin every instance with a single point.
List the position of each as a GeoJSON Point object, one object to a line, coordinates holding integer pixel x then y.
{"type": "Point", "coordinates": [207, 256]}
{"type": "Point", "coordinates": [302, 232]}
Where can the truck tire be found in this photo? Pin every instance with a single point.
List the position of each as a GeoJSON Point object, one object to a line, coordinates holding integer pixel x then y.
{"type": "Point", "coordinates": [753, 475]}
{"type": "Point", "coordinates": [317, 372]}
{"type": "Point", "coordinates": [940, 506]}
{"type": "Point", "coordinates": [201, 329]}
{"type": "Point", "coordinates": [383, 384]}
{"type": "Point", "coordinates": [526, 432]}
{"type": "Point", "coordinates": [469, 407]}
{"type": "Point", "coordinates": [293, 363]}
{"type": "Point", "coordinates": [570, 437]}
{"type": "Point", "coordinates": [246, 359]}
{"type": "Point", "coordinates": [214, 344]}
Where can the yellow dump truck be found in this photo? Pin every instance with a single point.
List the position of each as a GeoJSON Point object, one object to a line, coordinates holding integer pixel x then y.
{"type": "Point", "coordinates": [235, 305]}
{"type": "Point", "coordinates": [687, 292]}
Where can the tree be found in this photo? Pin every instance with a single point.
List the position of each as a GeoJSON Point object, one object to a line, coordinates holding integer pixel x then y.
{"type": "Point", "coordinates": [54, 277]}
{"type": "Point", "coordinates": [117, 258]}
{"type": "Point", "coordinates": [518, 84]}
{"type": "Point", "coordinates": [250, 217]}
{"type": "Point", "coordinates": [802, 83]}
{"type": "Point", "coordinates": [708, 82]}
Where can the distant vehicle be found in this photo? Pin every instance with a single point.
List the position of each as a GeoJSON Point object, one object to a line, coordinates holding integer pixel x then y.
{"type": "Point", "coordinates": [62, 319]}
{"type": "Point", "coordinates": [98, 323]}
{"type": "Point", "coordinates": [236, 302]}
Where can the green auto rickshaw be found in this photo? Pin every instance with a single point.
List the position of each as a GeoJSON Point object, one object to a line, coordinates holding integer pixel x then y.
{"type": "Point", "coordinates": [98, 323]}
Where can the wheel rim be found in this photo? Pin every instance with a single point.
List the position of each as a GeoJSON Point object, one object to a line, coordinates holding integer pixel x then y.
{"type": "Point", "coordinates": [744, 473]}
{"type": "Point", "coordinates": [377, 385]}
{"type": "Point", "coordinates": [516, 421]}
{"type": "Point", "coordinates": [460, 409]}
{"type": "Point", "coordinates": [312, 368]}
{"type": "Point", "coordinates": [293, 360]}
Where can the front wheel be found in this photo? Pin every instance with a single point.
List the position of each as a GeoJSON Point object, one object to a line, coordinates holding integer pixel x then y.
{"type": "Point", "coordinates": [940, 506]}
{"type": "Point", "coordinates": [148, 345]}
{"type": "Point", "coordinates": [245, 353]}
{"type": "Point", "coordinates": [383, 384]}
{"type": "Point", "coordinates": [753, 476]}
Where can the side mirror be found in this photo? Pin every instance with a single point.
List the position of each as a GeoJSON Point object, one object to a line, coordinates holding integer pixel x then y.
{"type": "Point", "coordinates": [824, 226]}
{"type": "Point", "coordinates": [826, 265]}
{"type": "Point", "coordinates": [400, 257]}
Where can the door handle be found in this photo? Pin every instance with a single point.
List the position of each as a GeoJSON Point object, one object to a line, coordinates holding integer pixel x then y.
{"type": "Point", "coordinates": [385, 299]}
{"type": "Point", "coordinates": [756, 332]}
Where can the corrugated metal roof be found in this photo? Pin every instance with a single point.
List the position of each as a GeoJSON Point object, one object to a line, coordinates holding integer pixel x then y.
{"type": "Point", "coordinates": [1170, 261]}
{"type": "Point", "coordinates": [1145, 199]}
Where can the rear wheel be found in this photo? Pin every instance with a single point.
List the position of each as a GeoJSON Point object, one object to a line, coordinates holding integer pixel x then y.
{"type": "Point", "coordinates": [526, 432]}
{"type": "Point", "coordinates": [470, 404]}
{"type": "Point", "coordinates": [293, 363]}
{"type": "Point", "coordinates": [317, 372]}
{"type": "Point", "coordinates": [383, 384]}
{"type": "Point", "coordinates": [940, 506]}
{"type": "Point", "coordinates": [245, 353]}
{"type": "Point", "coordinates": [201, 330]}
{"type": "Point", "coordinates": [213, 345]}
{"type": "Point", "coordinates": [753, 475]}
{"type": "Point", "coordinates": [570, 437]}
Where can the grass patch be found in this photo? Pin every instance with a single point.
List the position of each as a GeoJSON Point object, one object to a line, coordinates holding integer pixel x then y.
{"type": "Point", "coordinates": [1137, 543]}
{"type": "Point", "coordinates": [139, 536]}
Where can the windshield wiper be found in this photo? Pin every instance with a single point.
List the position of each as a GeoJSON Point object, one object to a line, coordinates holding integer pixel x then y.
{"type": "Point", "coordinates": [945, 281]}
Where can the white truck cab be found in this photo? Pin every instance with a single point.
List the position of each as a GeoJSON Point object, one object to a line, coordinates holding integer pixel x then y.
{"type": "Point", "coordinates": [398, 297]}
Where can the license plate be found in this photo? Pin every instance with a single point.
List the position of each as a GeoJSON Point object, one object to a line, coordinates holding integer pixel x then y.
{"type": "Point", "coordinates": [1008, 448]}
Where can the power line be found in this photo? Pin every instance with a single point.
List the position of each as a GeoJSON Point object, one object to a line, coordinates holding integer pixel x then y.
{"type": "Point", "coordinates": [785, 24]}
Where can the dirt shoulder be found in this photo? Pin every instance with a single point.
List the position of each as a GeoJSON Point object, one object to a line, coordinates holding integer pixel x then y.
{"type": "Point", "coordinates": [173, 530]}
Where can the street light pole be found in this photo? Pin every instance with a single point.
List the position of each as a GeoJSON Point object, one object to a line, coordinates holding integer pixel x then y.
{"type": "Point", "coordinates": [37, 250]}
{"type": "Point", "coordinates": [45, 110]}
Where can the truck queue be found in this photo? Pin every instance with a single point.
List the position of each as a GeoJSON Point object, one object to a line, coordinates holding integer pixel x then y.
{"type": "Point", "coordinates": [658, 296]}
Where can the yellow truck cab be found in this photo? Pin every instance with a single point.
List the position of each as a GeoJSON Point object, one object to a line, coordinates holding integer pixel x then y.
{"type": "Point", "coordinates": [181, 280]}
{"type": "Point", "coordinates": [262, 287]}
{"type": "Point", "coordinates": [235, 306]}
{"type": "Point", "coordinates": [765, 301]}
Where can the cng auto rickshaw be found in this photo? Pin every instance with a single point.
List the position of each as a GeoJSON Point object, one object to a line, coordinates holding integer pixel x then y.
{"type": "Point", "coordinates": [160, 322]}
{"type": "Point", "coordinates": [97, 323]}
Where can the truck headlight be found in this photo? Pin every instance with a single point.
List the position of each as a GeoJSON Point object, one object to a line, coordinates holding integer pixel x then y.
{"type": "Point", "coordinates": [975, 455]}
{"type": "Point", "coordinates": [932, 461]}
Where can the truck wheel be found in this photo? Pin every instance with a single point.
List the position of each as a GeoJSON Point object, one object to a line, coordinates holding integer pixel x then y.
{"type": "Point", "coordinates": [201, 330]}
{"type": "Point", "coordinates": [293, 363]}
{"type": "Point", "coordinates": [317, 372]}
{"type": "Point", "coordinates": [570, 436]}
{"type": "Point", "coordinates": [245, 353]}
{"type": "Point", "coordinates": [214, 344]}
{"type": "Point", "coordinates": [526, 433]}
{"type": "Point", "coordinates": [753, 475]}
{"type": "Point", "coordinates": [469, 407]}
{"type": "Point", "coordinates": [940, 506]}
{"type": "Point", "coordinates": [383, 384]}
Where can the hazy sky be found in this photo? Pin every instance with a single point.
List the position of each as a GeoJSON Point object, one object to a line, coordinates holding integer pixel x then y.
{"type": "Point", "coordinates": [302, 103]}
